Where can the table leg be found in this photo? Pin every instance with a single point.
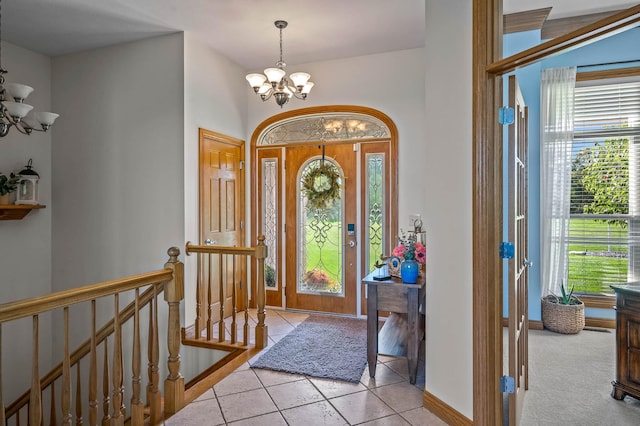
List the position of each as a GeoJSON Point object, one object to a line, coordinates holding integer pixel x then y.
{"type": "Point", "coordinates": [372, 328]}
{"type": "Point", "coordinates": [413, 341]}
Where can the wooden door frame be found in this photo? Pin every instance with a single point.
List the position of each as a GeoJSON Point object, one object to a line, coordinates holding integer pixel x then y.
{"type": "Point", "coordinates": [325, 109]}
{"type": "Point", "coordinates": [487, 70]}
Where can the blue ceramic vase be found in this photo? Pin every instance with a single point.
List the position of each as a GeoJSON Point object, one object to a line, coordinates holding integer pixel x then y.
{"type": "Point", "coordinates": [409, 270]}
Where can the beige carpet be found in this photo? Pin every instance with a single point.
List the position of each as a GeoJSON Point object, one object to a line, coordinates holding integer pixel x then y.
{"type": "Point", "coordinates": [570, 381]}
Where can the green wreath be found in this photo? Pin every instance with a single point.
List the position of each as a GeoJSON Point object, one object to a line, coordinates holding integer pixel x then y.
{"type": "Point", "coordinates": [322, 186]}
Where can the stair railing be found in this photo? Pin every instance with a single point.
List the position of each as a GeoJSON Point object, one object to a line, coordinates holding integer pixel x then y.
{"type": "Point", "coordinates": [169, 280]}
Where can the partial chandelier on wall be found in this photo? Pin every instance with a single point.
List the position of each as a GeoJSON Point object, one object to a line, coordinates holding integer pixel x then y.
{"type": "Point", "coordinates": [13, 111]}
{"type": "Point", "coordinates": [275, 83]}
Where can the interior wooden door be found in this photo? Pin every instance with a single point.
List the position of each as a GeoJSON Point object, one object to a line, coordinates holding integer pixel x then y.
{"type": "Point", "coordinates": [518, 265]}
{"type": "Point", "coordinates": [321, 244]}
{"type": "Point", "coordinates": [221, 216]}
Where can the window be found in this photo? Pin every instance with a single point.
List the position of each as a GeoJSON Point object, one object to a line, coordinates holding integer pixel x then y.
{"type": "Point", "coordinates": [604, 246]}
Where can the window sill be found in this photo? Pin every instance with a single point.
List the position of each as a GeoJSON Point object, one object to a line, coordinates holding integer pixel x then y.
{"type": "Point", "coordinates": [601, 301]}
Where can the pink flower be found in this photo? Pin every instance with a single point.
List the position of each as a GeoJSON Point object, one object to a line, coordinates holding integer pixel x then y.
{"type": "Point", "coordinates": [399, 251]}
{"type": "Point", "coordinates": [421, 253]}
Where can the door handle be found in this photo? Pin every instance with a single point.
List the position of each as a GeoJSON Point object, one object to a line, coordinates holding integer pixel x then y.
{"type": "Point", "coordinates": [528, 263]}
{"type": "Point", "coordinates": [352, 244]}
{"type": "Point", "coordinates": [208, 242]}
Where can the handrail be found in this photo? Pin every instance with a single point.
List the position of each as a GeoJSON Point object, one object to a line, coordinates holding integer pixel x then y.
{"type": "Point", "coordinates": [193, 248]}
{"type": "Point", "coordinates": [40, 304]}
{"type": "Point", "coordinates": [83, 350]}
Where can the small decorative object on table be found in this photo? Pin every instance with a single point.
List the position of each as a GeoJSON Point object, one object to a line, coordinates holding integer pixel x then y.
{"type": "Point", "coordinates": [412, 254]}
{"type": "Point", "coordinates": [381, 273]}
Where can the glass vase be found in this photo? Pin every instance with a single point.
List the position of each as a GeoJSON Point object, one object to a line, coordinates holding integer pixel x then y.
{"type": "Point", "coordinates": [409, 271]}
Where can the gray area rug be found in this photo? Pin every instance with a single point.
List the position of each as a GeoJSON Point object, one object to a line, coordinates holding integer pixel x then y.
{"type": "Point", "coordinates": [325, 347]}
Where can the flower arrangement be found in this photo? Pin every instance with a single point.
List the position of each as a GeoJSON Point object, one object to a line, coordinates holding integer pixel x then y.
{"type": "Point", "coordinates": [410, 249]}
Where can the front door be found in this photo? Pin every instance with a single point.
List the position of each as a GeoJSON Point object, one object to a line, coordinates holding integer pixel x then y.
{"type": "Point", "coordinates": [321, 243]}
{"type": "Point", "coordinates": [518, 265]}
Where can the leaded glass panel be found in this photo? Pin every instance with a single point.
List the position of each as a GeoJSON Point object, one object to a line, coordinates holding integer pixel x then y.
{"type": "Point", "coordinates": [320, 242]}
{"type": "Point", "coordinates": [270, 220]}
{"type": "Point", "coordinates": [323, 127]}
{"type": "Point", "coordinates": [374, 202]}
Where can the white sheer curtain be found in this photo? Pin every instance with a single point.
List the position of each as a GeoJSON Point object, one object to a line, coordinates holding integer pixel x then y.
{"type": "Point", "coordinates": [556, 117]}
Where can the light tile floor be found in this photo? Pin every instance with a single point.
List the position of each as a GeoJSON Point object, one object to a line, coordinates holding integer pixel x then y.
{"type": "Point", "coordinates": [263, 397]}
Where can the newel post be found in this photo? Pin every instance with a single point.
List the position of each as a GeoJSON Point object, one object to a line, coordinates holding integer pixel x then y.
{"type": "Point", "coordinates": [261, 328]}
{"type": "Point", "coordinates": [173, 294]}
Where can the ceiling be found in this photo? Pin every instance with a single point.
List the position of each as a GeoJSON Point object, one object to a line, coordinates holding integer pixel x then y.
{"type": "Point", "coordinates": [243, 30]}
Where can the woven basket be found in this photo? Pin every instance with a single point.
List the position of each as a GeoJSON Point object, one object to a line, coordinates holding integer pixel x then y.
{"type": "Point", "coordinates": [567, 319]}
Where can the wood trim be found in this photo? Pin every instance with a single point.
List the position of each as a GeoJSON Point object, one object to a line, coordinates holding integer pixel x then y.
{"type": "Point", "coordinates": [600, 322]}
{"type": "Point", "coordinates": [558, 27]}
{"type": "Point", "coordinates": [599, 301]}
{"type": "Point", "coordinates": [525, 21]}
{"type": "Point", "coordinates": [605, 74]}
{"type": "Point", "coordinates": [443, 410]}
{"type": "Point", "coordinates": [487, 215]}
{"type": "Point", "coordinates": [603, 28]}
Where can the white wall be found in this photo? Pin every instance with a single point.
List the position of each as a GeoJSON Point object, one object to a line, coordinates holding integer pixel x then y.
{"type": "Point", "coordinates": [449, 337]}
{"type": "Point", "coordinates": [117, 164]}
{"type": "Point", "coordinates": [25, 245]}
{"type": "Point", "coordinates": [214, 100]}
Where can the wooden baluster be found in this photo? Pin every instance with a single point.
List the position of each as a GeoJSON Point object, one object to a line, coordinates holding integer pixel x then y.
{"type": "Point", "coordinates": [53, 417]}
{"type": "Point", "coordinates": [117, 418]}
{"type": "Point", "coordinates": [153, 393]}
{"type": "Point", "coordinates": [35, 402]}
{"type": "Point", "coordinates": [200, 282]}
{"type": "Point", "coordinates": [246, 332]}
{"type": "Point", "coordinates": [234, 306]}
{"type": "Point", "coordinates": [78, 395]}
{"type": "Point", "coordinates": [222, 335]}
{"type": "Point", "coordinates": [93, 371]}
{"type": "Point", "coordinates": [209, 298]}
{"type": "Point", "coordinates": [2, 419]}
{"type": "Point", "coordinates": [261, 328]}
{"type": "Point", "coordinates": [173, 294]}
{"type": "Point", "coordinates": [137, 407]}
{"type": "Point", "coordinates": [106, 401]}
{"type": "Point", "coordinates": [66, 374]}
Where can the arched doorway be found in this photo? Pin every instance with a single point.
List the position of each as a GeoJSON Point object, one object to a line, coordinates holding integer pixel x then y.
{"type": "Point", "coordinates": [317, 256]}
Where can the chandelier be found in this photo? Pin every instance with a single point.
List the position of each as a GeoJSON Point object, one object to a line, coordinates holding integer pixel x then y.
{"type": "Point", "coordinates": [13, 111]}
{"type": "Point", "coordinates": [274, 82]}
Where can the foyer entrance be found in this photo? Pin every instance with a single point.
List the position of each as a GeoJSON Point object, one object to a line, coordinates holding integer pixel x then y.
{"type": "Point", "coordinates": [317, 256]}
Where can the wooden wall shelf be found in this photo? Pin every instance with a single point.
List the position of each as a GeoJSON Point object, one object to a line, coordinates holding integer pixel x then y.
{"type": "Point", "coordinates": [17, 211]}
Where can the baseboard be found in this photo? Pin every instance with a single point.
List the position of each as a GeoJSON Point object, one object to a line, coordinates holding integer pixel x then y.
{"type": "Point", "coordinates": [444, 411]}
{"type": "Point", "coordinates": [588, 322]}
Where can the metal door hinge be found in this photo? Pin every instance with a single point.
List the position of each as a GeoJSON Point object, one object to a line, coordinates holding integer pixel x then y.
{"type": "Point", "coordinates": [241, 224]}
{"type": "Point", "coordinates": [506, 115]}
{"type": "Point", "coordinates": [507, 384]}
{"type": "Point", "coordinates": [506, 250]}
{"type": "Point", "coordinates": [241, 164]}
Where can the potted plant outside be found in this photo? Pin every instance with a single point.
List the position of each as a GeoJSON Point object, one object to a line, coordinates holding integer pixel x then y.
{"type": "Point", "coordinates": [563, 314]}
{"type": "Point", "coordinates": [7, 186]}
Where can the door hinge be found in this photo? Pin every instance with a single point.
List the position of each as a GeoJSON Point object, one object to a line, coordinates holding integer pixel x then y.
{"type": "Point", "coordinates": [507, 384]}
{"type": "Point", "coordinates": [506, 250]}
{"type": "Point", "coordinates": [506, 115]}
{"type": "Point", "coordinates": [241, 224]}
{"type": "Point", "coordinates": [241, 164]}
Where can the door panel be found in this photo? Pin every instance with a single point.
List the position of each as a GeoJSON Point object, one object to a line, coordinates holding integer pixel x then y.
{"type": "Point", "coordinates": [518, 266]}
{"type": "Point", "coordinates": [221, 215]}
{"type": "Point", "coordinates": [321, 267]}
{"type": "Point", "coordinates": [269, 200]}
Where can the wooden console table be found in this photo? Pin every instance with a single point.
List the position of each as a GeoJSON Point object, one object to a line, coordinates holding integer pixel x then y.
{"type": "Point", "coordinates": [402, 332]}
{"type": "Point", "coordinates": [627, 341]}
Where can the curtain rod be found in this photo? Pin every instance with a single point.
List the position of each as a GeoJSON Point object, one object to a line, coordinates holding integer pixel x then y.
{"type": "Point", "coordinates": [609, 63]}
